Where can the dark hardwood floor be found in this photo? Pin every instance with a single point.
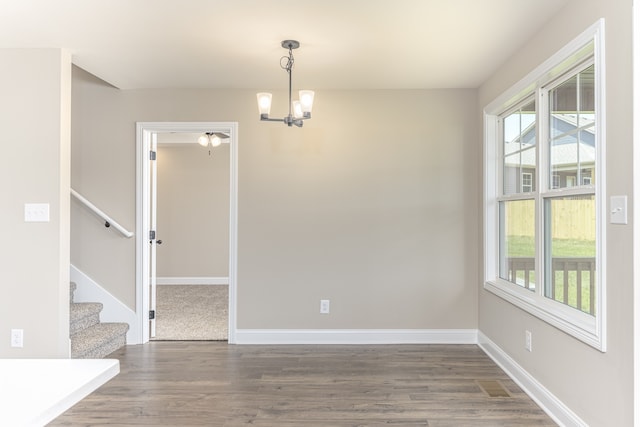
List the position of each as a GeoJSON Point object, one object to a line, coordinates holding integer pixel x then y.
{"type": "Point", "coordinates": [215, 384]}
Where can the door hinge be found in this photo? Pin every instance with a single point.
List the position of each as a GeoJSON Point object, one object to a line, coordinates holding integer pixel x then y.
{"type": "Point", "coordinates": [152, 314]}
{"type": "Point", "coordinates": [152, 234]}
{"type": "Point", "coordinates": [152, 155]}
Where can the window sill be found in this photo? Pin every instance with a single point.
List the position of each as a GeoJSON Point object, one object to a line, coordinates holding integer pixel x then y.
{"type": "Point", "coordinates": [569, 320]}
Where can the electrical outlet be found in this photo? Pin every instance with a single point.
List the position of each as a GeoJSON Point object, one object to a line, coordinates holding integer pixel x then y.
{"type": "Point", "coordinates": [324, 306]}
{"type": "Point", "coordinates": [527, 340]}
{"type": "Point", "coordinates": [17, 336]}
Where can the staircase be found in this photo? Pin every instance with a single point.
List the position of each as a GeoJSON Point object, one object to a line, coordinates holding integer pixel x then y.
{"type": "Point", "coordinates": [91, 339]}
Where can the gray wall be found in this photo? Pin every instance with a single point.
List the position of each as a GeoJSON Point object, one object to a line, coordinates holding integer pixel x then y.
{"type": "Point", "coordinates": [373, 204]}
{"type": "Point", "coordinates": [35, 117]}
{"type": "Point", "coordinates": [193, 210]}
{"type": "Point", "coordinates": [597, 386]}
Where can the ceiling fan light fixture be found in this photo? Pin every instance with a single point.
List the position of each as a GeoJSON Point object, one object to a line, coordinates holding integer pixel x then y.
{"type": "Point", "coordinates": [213, 138]}
{"type": "Point", "coordinates": [203, 140]}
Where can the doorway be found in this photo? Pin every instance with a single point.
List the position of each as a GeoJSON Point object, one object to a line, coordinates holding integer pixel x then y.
{"type": "Point", "coordinates": [192, 238]}
{"type": "Point", "coordinates": [149, 134]}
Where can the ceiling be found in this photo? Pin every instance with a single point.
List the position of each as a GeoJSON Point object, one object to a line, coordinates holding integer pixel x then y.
{"type": "Point", "coordinates": [235, 44]}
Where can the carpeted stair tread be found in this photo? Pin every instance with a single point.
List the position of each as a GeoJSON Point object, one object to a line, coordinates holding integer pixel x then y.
{"type": "Point", "coordinates": [83, 315]}
{"type": "Point", "coordinates": [96, 341]}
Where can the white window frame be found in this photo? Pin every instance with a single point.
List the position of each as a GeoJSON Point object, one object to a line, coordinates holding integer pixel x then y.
{"type": "Point", "coordinates": [590, 329]}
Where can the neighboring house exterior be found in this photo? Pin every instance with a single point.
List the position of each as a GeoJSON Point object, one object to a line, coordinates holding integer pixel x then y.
{"type": "Point", "coordinates": [572, 156]}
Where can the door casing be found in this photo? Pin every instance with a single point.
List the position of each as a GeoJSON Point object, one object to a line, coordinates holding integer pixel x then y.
{"type": "Point", "coordinates": [144, 132]}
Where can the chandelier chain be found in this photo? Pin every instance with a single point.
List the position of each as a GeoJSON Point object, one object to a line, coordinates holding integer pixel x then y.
{"type": "Point", "coordinates": [286, 62]}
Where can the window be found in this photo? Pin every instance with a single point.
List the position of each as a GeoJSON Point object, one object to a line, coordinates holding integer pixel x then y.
{"type": "Point", "coordinates": [527, 182]}
{"type": "Point", "coordinates": [543, 203]}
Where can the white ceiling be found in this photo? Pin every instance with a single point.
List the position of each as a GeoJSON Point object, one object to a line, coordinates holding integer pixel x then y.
{"type": "Point", "coordinates": [357, 44]}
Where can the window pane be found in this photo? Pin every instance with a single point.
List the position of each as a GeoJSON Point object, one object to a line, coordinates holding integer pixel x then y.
{"type": "Point", "coordinates": [517, 242]}
{"type": "Point", "coordinates": [511, 176]}
{"type": "Point", "coordinates": [519, 152]}
{"type": "Point", "coordinates": [587, 91]}
{"type": "Point", "coordinates": [570, 246]}
{"type": "Point", "coordinates": [572, 131]}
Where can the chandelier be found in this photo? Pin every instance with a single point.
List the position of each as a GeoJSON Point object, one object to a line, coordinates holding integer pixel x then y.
{"type": "Point", "coordinates": [298, 110]}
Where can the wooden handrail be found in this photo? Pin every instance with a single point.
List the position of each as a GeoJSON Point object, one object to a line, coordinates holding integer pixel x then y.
{"type": "Point", "coordinates": [108, 221]}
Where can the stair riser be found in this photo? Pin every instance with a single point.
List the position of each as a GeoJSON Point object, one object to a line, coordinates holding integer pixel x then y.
{"type": "Point", "coordinates": [104, 350]}
{"type": "Point", "coordinates": [95, 340]}
{"type": "Point", "coordinates": [84, 323]}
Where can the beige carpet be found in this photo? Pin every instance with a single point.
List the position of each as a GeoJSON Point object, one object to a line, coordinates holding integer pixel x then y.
{"type": "Point", "coordinates": [192, 312]}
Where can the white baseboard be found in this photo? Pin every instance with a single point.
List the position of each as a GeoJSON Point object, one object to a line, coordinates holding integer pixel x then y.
{"type": "Point", "coordinates": [553, 406]}
{"type": "Point", "coordinates": [192, 281]}
{"type": "Point", "coordinates": [113, 309]}
{"type": "Point", "coordinates": [356, 336]}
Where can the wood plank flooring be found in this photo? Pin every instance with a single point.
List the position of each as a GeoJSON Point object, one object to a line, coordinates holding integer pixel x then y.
{"type": "Point", "coordinates": [216, 384]}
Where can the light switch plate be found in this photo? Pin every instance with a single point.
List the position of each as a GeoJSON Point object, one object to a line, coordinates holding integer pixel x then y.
{"type": "Point", "coordinates": [36, 212]}
{"type": "Point", "coordinates": [618, 209]}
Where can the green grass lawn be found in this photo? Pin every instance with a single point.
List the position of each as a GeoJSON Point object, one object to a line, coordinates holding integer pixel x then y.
{"type": "Point", "coordinates": [524, 246]}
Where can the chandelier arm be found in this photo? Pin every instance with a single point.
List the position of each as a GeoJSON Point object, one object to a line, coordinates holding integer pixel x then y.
{"type": "Point", "coordinates": [266, 118]}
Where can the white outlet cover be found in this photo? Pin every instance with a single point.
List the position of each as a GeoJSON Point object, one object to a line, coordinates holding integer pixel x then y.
{"type": "Point", "coordinates": [325, 306]}
{"type": "Point", "coordinates": [527, 339]}
{"type": "Point", "coordinates": [17, 338]}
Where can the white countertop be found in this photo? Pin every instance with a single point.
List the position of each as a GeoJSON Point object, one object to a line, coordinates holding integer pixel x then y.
{"type": "Point", "coordinates": [33, 392]}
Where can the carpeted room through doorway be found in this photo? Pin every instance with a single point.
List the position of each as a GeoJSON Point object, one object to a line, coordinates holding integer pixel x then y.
{"type": "Point", "coordinates": [192, 312]}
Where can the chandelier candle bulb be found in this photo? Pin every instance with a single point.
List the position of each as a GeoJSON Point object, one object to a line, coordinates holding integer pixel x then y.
{"type": "Point", "coordinates": [264, 104]}
{"type": "Point", "coordinates": [297, 110]}
{"type": "Point", "coordinates": [306, 100]}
